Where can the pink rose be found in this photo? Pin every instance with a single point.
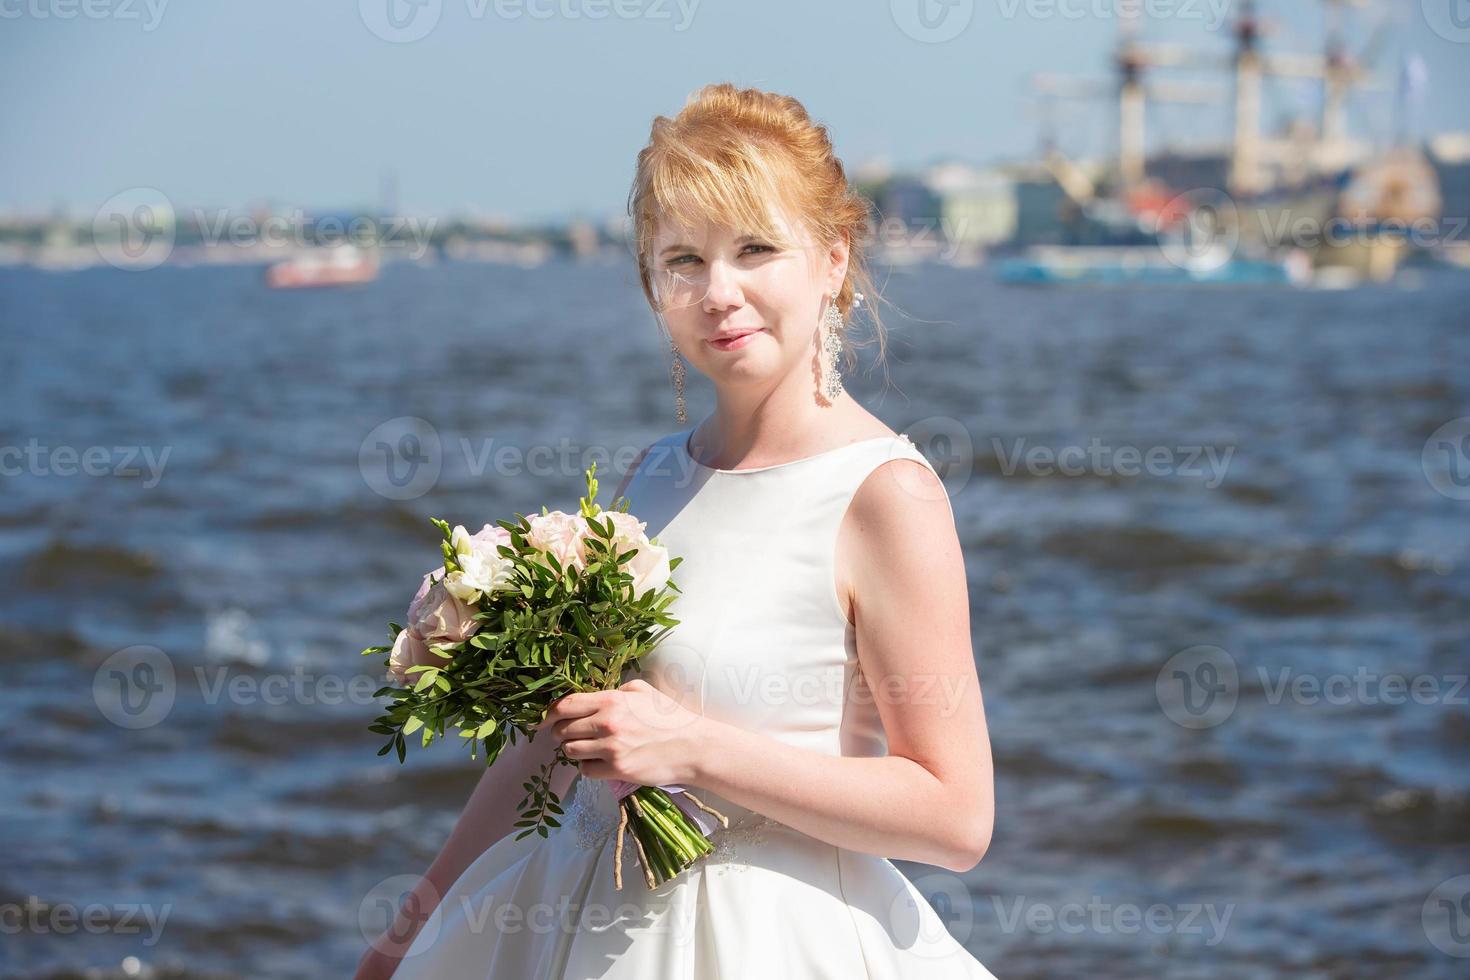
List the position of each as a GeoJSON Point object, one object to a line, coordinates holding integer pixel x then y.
{"type": "Point", "coordinates": [627, 529]}
{"type": "Point", "coordinates": [562, 535]}
{"type": "Point", "coordinates": [493, 535]}
{"type": "Point", "coordinates": [440, 618]}
{"type": "Point", "coordinates": [418, 598]}
{"type": "Point", "coordinates": [409, 650]}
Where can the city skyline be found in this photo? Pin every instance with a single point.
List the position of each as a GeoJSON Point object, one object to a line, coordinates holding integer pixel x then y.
{"type": "Point", "coordinates": [230, 108]}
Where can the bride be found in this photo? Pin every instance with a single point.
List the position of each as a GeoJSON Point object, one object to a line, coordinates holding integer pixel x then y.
{"type": "Point", "coordinates": [820, 690]}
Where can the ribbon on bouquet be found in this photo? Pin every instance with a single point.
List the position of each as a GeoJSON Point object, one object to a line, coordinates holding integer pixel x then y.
{"type": "Point", "coordinates": [704, 817]}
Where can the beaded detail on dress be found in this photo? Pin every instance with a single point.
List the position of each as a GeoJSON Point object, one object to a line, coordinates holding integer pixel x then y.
{"type": "Point", "coordinates": [734, 843]}
{"type": "Point", "coordinates": [591, 824]}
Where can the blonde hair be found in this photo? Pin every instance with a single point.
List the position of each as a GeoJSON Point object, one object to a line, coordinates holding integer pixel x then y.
{"type": "Point", "coordinates": [725, 158]}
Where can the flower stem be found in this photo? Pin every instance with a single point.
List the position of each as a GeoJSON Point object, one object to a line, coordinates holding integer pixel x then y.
{"type": "Point", "coordinates": [670, 841]}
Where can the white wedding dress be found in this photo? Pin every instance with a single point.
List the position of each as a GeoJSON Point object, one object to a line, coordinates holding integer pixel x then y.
{"type": "Point", "coordinates": [762, 643]}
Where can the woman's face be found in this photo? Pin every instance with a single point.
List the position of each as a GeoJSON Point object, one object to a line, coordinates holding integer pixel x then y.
{"type": "Point", "coordinates": [715, 282]}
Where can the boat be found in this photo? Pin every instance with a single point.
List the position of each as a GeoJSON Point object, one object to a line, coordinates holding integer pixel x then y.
{"type": "Point", "coordinates": [1315, 195]}
{"type": "Point", "coordinates": [339, 265]}
{"type": "Point", "coordinates": [1146, 264]}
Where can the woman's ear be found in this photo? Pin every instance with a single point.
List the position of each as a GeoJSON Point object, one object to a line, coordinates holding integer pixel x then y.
{"type": "Point", "coordinates": [837, 258]}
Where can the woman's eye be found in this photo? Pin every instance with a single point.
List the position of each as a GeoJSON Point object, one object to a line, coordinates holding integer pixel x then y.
{"type": "Point", "coordinates": [680, 260]}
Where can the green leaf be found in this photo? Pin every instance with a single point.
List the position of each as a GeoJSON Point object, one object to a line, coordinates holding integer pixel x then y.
{"type": "Point", "coordinates": [414, 724]}
{"type": "Point", "coordinates": [541, 682]}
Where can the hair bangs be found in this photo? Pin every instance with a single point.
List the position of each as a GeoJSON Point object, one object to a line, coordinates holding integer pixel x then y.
{"type": "Point", "coordinates": [730, 188]}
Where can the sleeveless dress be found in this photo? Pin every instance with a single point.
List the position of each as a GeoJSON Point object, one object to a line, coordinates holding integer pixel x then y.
{"type": "Point", "coordinates": [762, 643]}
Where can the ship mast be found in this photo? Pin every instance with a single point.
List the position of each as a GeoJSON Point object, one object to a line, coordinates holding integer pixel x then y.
{"type": "Point", "coordinates": [1131, 134]}
{"type": "Point", "coordinates": [1249, 65]}
{"type": "Point", "coordinates": [1245, 162]}
{"type": "Point", "coordinates": [1130, 91]}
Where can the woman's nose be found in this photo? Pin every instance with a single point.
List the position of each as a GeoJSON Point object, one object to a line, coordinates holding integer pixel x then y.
{"type": "Point", "coordinates": [724, 287]}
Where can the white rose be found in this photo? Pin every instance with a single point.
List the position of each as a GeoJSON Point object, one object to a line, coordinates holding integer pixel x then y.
{"type": "Point", "coordinates": [484, 568]}
{"type": "Point", "coordinates": [649, 568]}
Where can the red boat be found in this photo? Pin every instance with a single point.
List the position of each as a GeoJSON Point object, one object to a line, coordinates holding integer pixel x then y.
{"type": "Point", "coordinates": [338, 266]}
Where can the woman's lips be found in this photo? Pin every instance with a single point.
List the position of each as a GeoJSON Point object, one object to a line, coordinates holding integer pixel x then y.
{"type": "Point", "coordinates": [734, 343]}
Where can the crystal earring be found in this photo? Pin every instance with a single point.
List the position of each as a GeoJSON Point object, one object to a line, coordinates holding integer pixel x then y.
{"type": "Point", "coordinates": [831, 351]}
{"type": "Point", "coordinates": [677, 370]}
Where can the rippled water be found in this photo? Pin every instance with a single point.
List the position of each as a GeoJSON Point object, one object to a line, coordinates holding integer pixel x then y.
{"type": "Point", "coordinates": [1280, 524]}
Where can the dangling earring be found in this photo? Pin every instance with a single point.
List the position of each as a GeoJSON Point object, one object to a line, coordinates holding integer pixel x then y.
{"type": "Point", "coordinates": [677, 370]}
{"type": "Point", "coordinates": [831, 351]}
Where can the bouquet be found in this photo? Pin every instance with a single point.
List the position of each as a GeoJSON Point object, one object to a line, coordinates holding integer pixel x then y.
{"type": "Point", "coordinates": [520, 614]}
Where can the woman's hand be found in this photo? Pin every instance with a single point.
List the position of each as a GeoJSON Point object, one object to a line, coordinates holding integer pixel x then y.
{"type": "Point", "coordinates": [636, 733]}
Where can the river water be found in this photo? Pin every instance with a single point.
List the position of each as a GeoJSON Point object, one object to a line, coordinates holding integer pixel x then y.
{"type": "Point", "coordinates": [1218, 545]}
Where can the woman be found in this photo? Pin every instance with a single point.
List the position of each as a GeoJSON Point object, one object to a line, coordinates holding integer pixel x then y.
{"type": "Point", "coordinates": [820, 688]}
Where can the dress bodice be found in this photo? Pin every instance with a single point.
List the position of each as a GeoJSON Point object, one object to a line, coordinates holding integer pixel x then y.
{"type": "Point", "coordinates": [762, 640]}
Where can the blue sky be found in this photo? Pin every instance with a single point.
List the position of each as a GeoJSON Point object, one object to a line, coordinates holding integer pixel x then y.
{"type": "Point", "coordinates": [506, 110]}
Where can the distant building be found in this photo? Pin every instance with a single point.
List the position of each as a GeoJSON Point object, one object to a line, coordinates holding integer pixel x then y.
{"type": "Point", "coordinates": [1044, 213]}
{"type": "Point", "coordinates": [583, 239]}
{"type": "Point", "coordinates": [977, 208]}
{"type": "Point", "coordinates": [1450, 156]}
{"type": "Point", "coordinates": [908, 199]}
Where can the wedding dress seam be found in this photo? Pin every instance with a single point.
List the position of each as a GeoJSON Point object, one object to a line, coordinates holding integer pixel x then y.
{"type": "Point", "coordinates": [851, 915]}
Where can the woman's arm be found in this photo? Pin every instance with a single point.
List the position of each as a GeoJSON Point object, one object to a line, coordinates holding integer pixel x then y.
{"type": "Point", "coordinates": [931, 799]}
{"type": "Point", "coordinates": [487, 817]}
